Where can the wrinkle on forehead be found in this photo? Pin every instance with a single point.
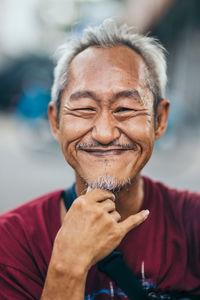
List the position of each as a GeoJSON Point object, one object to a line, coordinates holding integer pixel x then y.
{"type": "Point", "coordinates": [100, 67]}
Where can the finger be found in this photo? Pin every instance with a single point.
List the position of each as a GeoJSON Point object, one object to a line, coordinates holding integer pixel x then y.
{"type": "Point", "coordinates": [133, 221]}
{"type": "Point", "coordinates": [107, 205]}
{"type": "Point", "coordinates": [115, 215]}
{"type": "Point", "coordinates": [98, 195]}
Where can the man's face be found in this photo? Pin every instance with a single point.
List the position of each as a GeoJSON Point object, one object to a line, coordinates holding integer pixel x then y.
{"type": "Point", "coordinates": [106, 127]}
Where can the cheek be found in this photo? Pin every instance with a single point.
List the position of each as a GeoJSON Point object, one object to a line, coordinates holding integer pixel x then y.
{"type": "Point", "coordinates": [72, 129]}
{"type": "Point", "coordinates": [140, 129]}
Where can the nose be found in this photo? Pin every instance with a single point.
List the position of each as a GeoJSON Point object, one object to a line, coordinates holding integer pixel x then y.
{"type": "Point", "coordinates": [105, 129]}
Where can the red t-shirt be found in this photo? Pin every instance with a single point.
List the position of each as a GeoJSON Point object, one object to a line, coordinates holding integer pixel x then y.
{"type": "Point", "coordinates": [164, 251]}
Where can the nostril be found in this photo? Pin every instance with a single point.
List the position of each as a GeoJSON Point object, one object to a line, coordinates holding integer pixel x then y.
{"type": "Point", "coordinates": [105, 135]}
{"type": "Point", "coordinates": [105, 128]}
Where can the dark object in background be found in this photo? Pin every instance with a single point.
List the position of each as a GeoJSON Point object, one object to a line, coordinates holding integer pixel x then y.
{"type": "Point", "coordinates": [25, 86]}
{"type": "Point", "coordinates": [179, 32]}
{"type": "Point", "coordinates": [183, 14]}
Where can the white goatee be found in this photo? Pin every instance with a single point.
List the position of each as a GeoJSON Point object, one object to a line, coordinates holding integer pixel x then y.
{"type": "Point", "coordinates": [107, 182]}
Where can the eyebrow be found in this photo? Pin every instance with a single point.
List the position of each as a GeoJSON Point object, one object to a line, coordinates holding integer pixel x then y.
{"type": "Point", "coordinates": [134, 94]}
{"type": "Point", "coordinates": [130, 93]}
{"type": "Point", "coordinates": [83, 94]}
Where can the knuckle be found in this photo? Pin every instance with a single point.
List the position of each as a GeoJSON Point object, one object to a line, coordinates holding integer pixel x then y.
{"type": "Point", "coordinates": [108, 194]}
{"type": "Point", "coordinates": [116, 233]}
{"type": "Point", "coordinates": [118, 216]}
{"type": "Point", "coordinates": [79, 202]}
{"type": "Point", "coordinates": [98, 211]}
{"type": "Point", "coordinates": [112, 203]}
{"type": "Point", "coordinates": [111, 196]}
{"type": "Point", "coordinates": [110, 222]}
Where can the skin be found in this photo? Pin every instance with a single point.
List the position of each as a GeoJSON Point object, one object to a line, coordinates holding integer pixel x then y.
{"type": "Point", "coordinates": [110, 118]}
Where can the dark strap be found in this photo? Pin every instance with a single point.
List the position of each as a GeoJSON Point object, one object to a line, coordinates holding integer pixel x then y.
{"type": "Point", "coordinates": [114, 266]}
{"type": "Point", "coordinates": [68, 198]}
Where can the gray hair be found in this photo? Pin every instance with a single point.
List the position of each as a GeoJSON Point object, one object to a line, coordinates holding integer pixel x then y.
{"type": "Point", "coordinates": [107, 35]}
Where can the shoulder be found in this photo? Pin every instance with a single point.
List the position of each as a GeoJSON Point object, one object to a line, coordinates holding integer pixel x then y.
{"type": "Point", "coordinates": [179, 205]}
{"type": "Point", "coordinates": [173, 196]}
{"type": "Point", "coordinates": [26, 226]}
{"type": "Point", "coordinates": [27, 213]}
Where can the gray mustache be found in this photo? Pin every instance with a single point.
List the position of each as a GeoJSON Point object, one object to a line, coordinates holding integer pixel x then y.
{"type": "Point", "coordinates": [82, 146]}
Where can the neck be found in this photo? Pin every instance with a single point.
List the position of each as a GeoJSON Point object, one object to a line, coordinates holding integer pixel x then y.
{"type": "Point", "coordinates": [129, 199]}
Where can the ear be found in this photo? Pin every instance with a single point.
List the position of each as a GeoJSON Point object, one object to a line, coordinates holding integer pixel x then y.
{"type": "Point", "coordinates": [161, 118]}
{"type": "Point", "coordinates": [53, 120]}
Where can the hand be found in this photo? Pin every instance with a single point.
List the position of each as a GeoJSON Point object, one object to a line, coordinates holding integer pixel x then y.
{"type": "Point", "coordinates": [91, 230]}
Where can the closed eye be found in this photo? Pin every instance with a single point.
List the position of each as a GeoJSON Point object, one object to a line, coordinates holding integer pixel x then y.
{"type": "Point", "coordinates": [124, 109]}
{"type": "Point", "coordinates": [84, 109]}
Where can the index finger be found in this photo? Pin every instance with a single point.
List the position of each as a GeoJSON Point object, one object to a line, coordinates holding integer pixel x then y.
{"type": "Point", "coordinates": [98, 195]}
{"type": "Point", "coordinates": [133, 221]}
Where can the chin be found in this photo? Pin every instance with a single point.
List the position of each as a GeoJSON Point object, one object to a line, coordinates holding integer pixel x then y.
{"type": "Point", "coordinates": [107, 182]}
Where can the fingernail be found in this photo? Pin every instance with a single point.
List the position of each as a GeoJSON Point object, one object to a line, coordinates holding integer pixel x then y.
{"type": "Point", "coordinates": [88, 189]}
{"type": "Point", "coordinates": [113, 198]}
{"type": "Point", "coordinates": [146, 212]}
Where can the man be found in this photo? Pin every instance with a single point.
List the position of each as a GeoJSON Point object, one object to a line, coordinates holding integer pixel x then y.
{"type": "Point", "coordinates": [107, 110]}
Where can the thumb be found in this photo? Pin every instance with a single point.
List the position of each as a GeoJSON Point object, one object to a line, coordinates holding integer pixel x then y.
{"type": "Point", "coordinates": [133, 221]}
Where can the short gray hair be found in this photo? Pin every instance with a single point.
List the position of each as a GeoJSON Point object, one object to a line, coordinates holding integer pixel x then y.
{"type": "Point", "coordinates": [107, 35]}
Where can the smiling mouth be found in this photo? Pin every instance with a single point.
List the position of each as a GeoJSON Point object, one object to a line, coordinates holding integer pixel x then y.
{"type": "Point", "coordinates": [103, 152]}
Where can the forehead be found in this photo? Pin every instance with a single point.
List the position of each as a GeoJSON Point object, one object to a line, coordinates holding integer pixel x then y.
{"type": "Point", "coordinates": [105, 65]}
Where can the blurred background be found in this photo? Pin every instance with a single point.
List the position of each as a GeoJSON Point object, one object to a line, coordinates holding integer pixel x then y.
{"type": "Point", "coordinates": [30, 31]}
